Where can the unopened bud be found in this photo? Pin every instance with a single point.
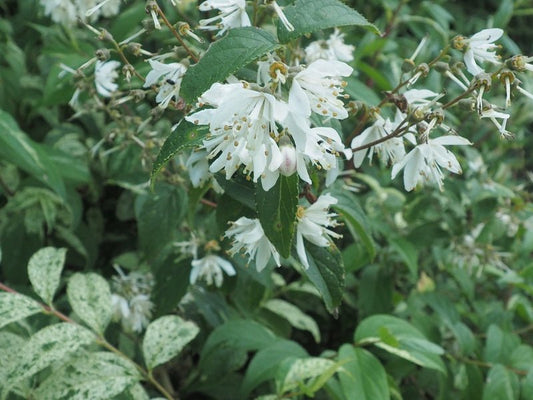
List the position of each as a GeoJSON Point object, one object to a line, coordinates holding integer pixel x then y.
{"type": "Point", "coordinates": [441, 67]}
{"type": "Point", "coordinates": [288, 159]}
{"type": "Point", "coordinates": [135, 48]}
{"type": "Point", "coordinates": [102, 54]}
{"type": "Point", "coordinates": [408, 65]}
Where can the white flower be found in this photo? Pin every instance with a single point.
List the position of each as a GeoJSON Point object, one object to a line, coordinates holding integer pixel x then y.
{"type": "Point", "coordinates": [321, 84]}
{"type": "Point", "coordinates": [232, 15]}
{"type": "Point", "coordinates": [242, 130]}
{"type": "Point", "coordinates": [131, 300]}
{"type": "Point", "coordinates": [333, 48]}
{"type": "Point", "coordinates": [107, 7]}
{"type": "Point", "coordinates": [210, 270]}
{"type": "Point", "coordinates": [171, 75]}
{"type": "Point", "coordinates": [480, 47]}
{"type": "Point", "coordinates": [248, 234]}
{"type": "Point", "coordinates": [319, 145]}
{"type": "Point", "coordinates": [61, 11]}
{"type": "Point", "coordinates": [492, 114]}
{"type": "Point", "coordinates": [391, 149]}
{"type": "Point", "coordinates": [423, 163]}
{"type": "Point", "coordinates": [105, 74]}
{"type": "Point", "coordinates": [198, 168]}
{"type": "Point", "coordinates": [313, 222]}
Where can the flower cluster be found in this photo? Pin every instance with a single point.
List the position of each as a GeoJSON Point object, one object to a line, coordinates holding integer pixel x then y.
{"type": "Point", "coordinates": [131, 299]}
{"type": "Point", "coordinates": [68, 12]}
{"type": "Point", "coordinates": [249, 122]}
{"type": "Point", "coordinates": [208, 268]}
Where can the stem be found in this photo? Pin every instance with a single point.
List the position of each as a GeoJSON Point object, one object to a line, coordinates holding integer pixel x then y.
{"type": "Point", "coordinates": [394, 133]}
{"type": "Point", "coordinates": [487, 364]}
{"type": "Point", "coordinates": [125, 59]}
{"type": "Point", "coordinates": [102, 342]}
{"type": "Point", "coordinates": [390, 24]}
{"type": "Point", "coordinates": [176, 34]}
{"type": "Point", "coordinates": [458, 98]}
{"type": "Point", "coordinates": [208, 203]}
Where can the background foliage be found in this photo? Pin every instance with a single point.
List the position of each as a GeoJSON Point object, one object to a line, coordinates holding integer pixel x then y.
{"type": "Point", "coordinates": [437, 294]}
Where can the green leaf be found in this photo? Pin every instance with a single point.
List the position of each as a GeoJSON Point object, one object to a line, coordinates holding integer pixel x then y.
{"type": "Point", "coordinates": [326, 272]}
{"type": "Point", "coordinates": [165, 338]}
{"type": "Point", "coordinates": [362, 376]}
{"type": "Point", "coordinates": [355, 218]}
{"type": "Point", "coordinates": [186, 135]}
{"type": "Point", "coordinates": [89, 296]}
{"type": "Point", "coordinates": [294, 315]}
{"type": "Point", "coordinates": [224, 57]}
{"type": "Point", "coordinates": [265, 363]}
{"type": "Point", "coordinates": [95, 376]}
{"type": "Point", "coordinates": [499, 345]}
{"type": "Point", "coordinates": [171, 283]}
{"type": "Point", "coordinates": [44, 271]}
{"type": "Point", "coordinates": [8, 342]}
{"type": "Point", "coordinates": [17, 148]}
{"type": "Point", "coordinates": [239, 189]}
{"type": "Point", "coordinates": [239, 333]}
{"type": "Point", "coordinates": [276, 209]}
{"type": "Point", "coordinates": [158, 215]}
{"type": "Point", "coordinates": [400, 338]}
{"type": "Point", "coordinates": [314, 15]}
{"type": "Point", "coordinates": [408, 253]}
{"type": "Point", "coordinates": [501, 384]}
{"type": "Point", "coordinates": [49, 345]}
{"type": "Point", "coordinates": [15, 306]}
{"type": "Point", "coordinates": [294, 373]}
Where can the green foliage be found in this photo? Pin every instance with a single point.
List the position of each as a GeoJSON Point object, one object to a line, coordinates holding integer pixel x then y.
{"type": "Point", "coordinates": [313, 15]}
{"type": "Point", "coordinates": [427, 294]}
{"type": "Point", "coordinates": [229, 54]}
{"type": "Point", "coordinates": [276, 209]}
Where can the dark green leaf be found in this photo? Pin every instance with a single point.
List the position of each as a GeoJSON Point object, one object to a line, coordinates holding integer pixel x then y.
{"type": "Point", "coordinates": [276, 209]}
{"type": "Point", "coordinates": [158, 214]}
{"type": "Point", "coordinates": [326, 272]}
{"type": "Point", "coordinates": [238, 188]}
{"type": "Point", "coordinates": [17, 148]}
{"type": "Point", "coordinates": [224, 57]}
{"type": "Point", "coordinates": [313, 15]}
{"type": "Point", "coordinates": [185, 135]}
{"type": "Point", "coordinates": [171, 283]}
{"type": "Point", "coordinates": [353, 215]}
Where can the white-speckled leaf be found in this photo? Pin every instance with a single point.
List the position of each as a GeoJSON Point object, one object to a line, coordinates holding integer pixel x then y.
{"type": "Point", "coordinates": [164, 339]}
{"type": "Point", "coordinates": [303, 369]}
{"type": "Point", "coordinates": [295, 316]}
{"type": "Point", "coordinates": [8, 342]}
{"type": "Point", "coordinates": [90, 298]}
{"type": "Point", "coordinates": [44, 271]}
{"type": "Point", "coordinates": [95, 376]}
{"type": "Point", "coordinates": [14, 306]}
{"type": "Point", "coordinates": [50, 344]}
{"type": "Point", "coordinates": [137, 392]}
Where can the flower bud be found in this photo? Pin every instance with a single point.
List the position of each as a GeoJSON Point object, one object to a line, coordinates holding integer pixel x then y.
{"type": "Point", "coordinates": [288, 157]}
